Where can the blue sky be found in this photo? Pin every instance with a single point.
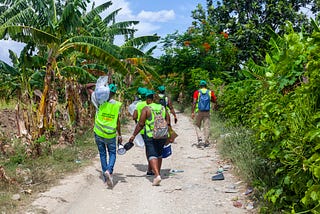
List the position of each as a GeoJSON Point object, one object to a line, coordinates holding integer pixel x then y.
{"type": "Point", "coordinates": [155, 16]}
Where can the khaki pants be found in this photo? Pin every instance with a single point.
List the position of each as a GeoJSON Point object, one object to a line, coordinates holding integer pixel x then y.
{"type": "Point", "coordinates": [203, 125]}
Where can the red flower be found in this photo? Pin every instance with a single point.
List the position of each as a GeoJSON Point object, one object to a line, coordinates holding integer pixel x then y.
{"type": "Point", "coordinates": [206, 46]}
{"type": "Point", "coordinates": [225, 35]}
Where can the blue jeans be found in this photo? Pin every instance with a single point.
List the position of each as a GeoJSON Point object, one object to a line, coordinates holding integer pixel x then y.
{"type": "Point", "coordinates": [104, 144]}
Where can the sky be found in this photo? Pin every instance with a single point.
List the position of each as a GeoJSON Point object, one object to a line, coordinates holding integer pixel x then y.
{"type": "Point", "coordinates": [159, 17]}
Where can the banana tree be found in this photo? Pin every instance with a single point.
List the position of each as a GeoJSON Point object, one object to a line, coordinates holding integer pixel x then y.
{"type": "Point", "coordinates": [55, 35]}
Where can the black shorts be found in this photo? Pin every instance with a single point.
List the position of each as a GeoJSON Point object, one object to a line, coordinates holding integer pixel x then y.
{"type": "Point", "coordinates": [154, 147]}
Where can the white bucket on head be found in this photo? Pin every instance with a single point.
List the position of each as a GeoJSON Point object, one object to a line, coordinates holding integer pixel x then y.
{"type": "Point", "coordinates": [138, 140]}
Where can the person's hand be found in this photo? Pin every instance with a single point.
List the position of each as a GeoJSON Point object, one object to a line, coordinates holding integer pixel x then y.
{"type": "Point", "coordinates": [192, 115]}
{"type": "Point", "coordinates": [119, 139]}
{"type": "Point", "coordinates": [175, 120]}
{"type": "Point", "coordinates": [132, 138]}
{"type": "Point", "coordinates": [215, 107]}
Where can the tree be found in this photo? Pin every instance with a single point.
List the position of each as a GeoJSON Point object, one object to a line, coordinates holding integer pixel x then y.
{"type": "Point", "coordinates": [248, 22]}
{"type": "Point", "coordinates": [62, 34]}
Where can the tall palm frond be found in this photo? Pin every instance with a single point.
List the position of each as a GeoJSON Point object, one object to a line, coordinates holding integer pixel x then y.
{"type": "Point", "coordinates": [149, 52]}
{"type": "Point", "coordinates": [112, 49]}
{"type": "Point", "coordinates": [89, 17]}
{"type": "Point", "coordinates": [110, 18]}
{"type": "Point", "coordinates": [141, 42]}
{"type": "Point", "coordinates": [27, 34]}
{"type": "Point", "coordinates": [97, 53]}
{"type": "Point", "coordinates": [12, 11]}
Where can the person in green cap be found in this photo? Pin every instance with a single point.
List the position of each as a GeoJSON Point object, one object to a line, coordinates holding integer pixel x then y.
{"type": "Point", "coordinates": [153, 146]}
{"type": "Point", "coordinates": [136, 117]}
{"type": "Point", "coordinates": [201, 104]}
{"type": "Point", "coordinates": [140, 104]}
{"type": "Point", "coordinates": [164, 100]}
{"type": "Point", "coordinates": [106, 127]}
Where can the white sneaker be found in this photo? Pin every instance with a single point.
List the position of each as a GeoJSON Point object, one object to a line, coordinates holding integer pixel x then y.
{"type": "Point", "coordinates": [156, 181]}
{"type": "Point", "coordinates": [109, 179]}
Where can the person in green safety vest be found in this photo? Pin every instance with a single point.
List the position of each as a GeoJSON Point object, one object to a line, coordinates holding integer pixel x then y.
{"type": "Point", "coordinates": [153, 146]}
{"type": "Point", "coordinates": [106, 127]}
{"type": "Point", "coordinates": [136, 116]}
{"type": "Point", "coordinates": [139, 106]}
{"type": "Point", "coordinates": [164, 100]}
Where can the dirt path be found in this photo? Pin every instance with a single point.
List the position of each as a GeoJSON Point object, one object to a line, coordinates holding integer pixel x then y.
{"type": "Point", "coordinates": [190, 191]}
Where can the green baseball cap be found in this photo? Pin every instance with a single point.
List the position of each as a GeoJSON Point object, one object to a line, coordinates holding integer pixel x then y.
{"type": "Point", "coordinates": [203, 83]}
{"type": "Point", "coordinates": [161, 88]}
{"type": "Point", "coordinates": [149, 92]}
{"type": "Point", "coordinates": [142, 91]}
{"type": "Point", "coordinates": [113, 88]}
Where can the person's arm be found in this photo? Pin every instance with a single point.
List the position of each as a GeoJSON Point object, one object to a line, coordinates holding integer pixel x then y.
{"type": "Point", "coordinates": [119, 130]}
{"type": "Point", "coordinates": [172, 110]}
{"type": "Point", "coordinates": [140, 124]}
{"type": "Point", "coordinates": [135, 116]}
{"type": "Point", "coordinates": [214, 100]}
{"type": "Point", "coordinates": [213, 97]}
{"type": "Point", "coordinates": [168, 119]}
{"type": "Point", "coordinates": [89, 87]}
{"type": "Point", "coordinates": [194, 103]}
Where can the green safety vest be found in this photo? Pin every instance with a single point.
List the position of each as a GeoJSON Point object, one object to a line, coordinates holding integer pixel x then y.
{"type": "Point", "coordinates": [105, 123]}
{"type": "Point", "coordinates": [150, 121]}
{"type": "Point", "coordinates": [140, 105]}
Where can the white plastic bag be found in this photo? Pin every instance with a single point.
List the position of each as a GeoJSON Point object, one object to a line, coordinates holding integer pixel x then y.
{"type": "Point", "coordinates": [102, 90]}
{"type": "Point", "coordinates": [138, 140]}
{"type": "Point", "coordinates": [132, 107]}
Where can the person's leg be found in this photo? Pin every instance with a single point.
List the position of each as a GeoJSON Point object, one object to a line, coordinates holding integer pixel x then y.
{"type": "Point", "coordinates": [152, 155]}
{"type": "Point", "coordinates": [102, 153]}
{"type": "Point", "coordinates": [154, 164]}
{"type": "Point", "coordinates": [206, 128]}
{"type": "Point", "coordinates": [149, 170]}
{"type": "Point", "coordinates": [112, 147]}
{"type": "Point", "coordinates": [159, 164]}
{"type": "Point", "coordinates": [199, 120]}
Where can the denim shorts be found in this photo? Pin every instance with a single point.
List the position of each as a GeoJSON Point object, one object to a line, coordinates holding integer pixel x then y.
{"type": "Point", "coordinates": [154, 147]}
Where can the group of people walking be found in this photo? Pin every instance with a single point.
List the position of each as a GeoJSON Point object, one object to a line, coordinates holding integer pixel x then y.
{"type": "Point", "coordinates": [150, 106]}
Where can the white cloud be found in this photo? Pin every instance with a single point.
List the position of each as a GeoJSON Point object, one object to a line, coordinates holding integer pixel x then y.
{"type": "Point", "coordinates": [159, 16]}
{"type": "Point", "coordinates": [12, 45]}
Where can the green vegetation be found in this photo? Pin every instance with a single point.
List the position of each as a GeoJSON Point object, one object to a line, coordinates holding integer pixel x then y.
{"type": "Point", "coordinates": [261, 58]}
{"type": "Point", "coordinates": [28, 176]}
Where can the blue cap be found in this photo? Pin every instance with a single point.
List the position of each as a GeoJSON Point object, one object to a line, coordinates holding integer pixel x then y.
{"type": "Point", "coordinates": [203, 83]}
{"type": "Point", "coordinates": [113, 88]}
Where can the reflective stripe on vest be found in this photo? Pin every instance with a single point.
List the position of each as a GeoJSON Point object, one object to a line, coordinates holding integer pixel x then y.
{"type": "Point", "coordinates": [106, 120]}
{"type": "Point", "coordinates": [150, 121]}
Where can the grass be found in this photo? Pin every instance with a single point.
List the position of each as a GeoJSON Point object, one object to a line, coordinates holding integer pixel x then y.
{"type": "Point", "coordinates": [236, 144]}
{"type": "Point", "coordinates": [30, 176]}
{"type": "Point", "coordinates": [7, 104]}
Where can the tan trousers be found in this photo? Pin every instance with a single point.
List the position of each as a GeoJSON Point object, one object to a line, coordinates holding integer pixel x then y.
{"type": "Point", "coordinates": [203, 125]}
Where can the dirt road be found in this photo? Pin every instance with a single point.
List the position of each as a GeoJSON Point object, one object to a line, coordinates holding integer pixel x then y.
{"type": "Point", "coordinates": [189, 191]}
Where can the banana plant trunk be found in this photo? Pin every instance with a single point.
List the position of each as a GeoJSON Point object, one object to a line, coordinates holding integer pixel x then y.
{"type": "Point", "coordinates": [42, 117]}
